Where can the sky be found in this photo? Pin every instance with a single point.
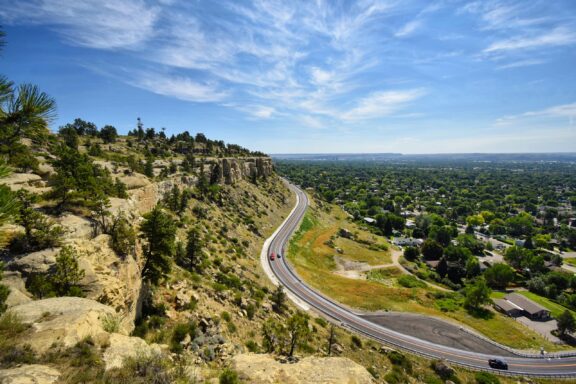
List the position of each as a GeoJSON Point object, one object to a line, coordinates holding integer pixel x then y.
{"type": "Point", "coordinates": [312, 76]}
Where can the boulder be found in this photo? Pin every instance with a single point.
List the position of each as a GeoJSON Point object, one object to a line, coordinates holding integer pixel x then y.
{"type": "Point", "coordinates": [36, 262]}
{"type": "Point", "coordinates": [62, 320]}
{"type": "Point", "coordinates": [29, 374]}
{"type": "Point", "coordinates": [122, 347]}
{"type": "Point", "coordinates": [261, 369]}
{"type": "Point", "coordinates": [76, 227]}
{"type": "Point", "coordinates": [18, 293]}
{"type": "Point", "coordinates": [108, 278]}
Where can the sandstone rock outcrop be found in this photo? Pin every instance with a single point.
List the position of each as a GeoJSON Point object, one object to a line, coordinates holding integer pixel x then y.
{"type": "Point", "coordinates": [231, 170]}
{"type": "Point", "coordinates": [263, 369]}
{"type": "Point", "coordinates": [29, 374]}
{"type": "Point", "coordinates": [35, 262]}
{"type": "Point", "coordinates": [62, 320]}
{"type": "Point", "coordinates": [18, 293]}
{"type": "Point", "coordinates": [122, 347]}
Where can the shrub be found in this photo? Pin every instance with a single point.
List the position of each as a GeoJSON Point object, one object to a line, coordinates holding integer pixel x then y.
{"type": "Point", "coordinates": [400, 360]}
{"type": "Point", "coordinates": [226, 316]}
{"type": "Point", "coordinates": [486, 378]}
{"type": "Point", "coordinates": [179, 333]}
{"type": "Point", "coordinates": [410, 281]}
{"type": "Point", "coordinates": [14, 355]}
{"type": "Point", "coordinates": [251, 311]}
{"type": "Point", "coordinates": [320, 321]}
{"type": "Point", "coordinates": [84, 353]}
{"type": "Point", "coordinates": [356, 341]}
{"type": "Point", "coordinates": [123, 235]}
{"type": "Point", "coordinates": [111, 323]}
{"type": "Point", "coordinates": [228, 376]}
{"type": "Point", "coordinates": [252, 346]}
{"type": "Point", "coordinates": [142, 369]}
{"type": "Point", "coordinates": [396, 376]}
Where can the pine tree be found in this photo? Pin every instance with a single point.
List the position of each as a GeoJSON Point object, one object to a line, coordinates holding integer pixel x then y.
{"type": "Point", "coordinates": [194, 256]}
{"type": "Point", "coordinates": [279, 299]}
{"type": "Point", "coordinates": [123, 235]}
{"type": "Point", "coordinates": [68, 273]}
{"type": "Point", "coordinates": [159, 231]}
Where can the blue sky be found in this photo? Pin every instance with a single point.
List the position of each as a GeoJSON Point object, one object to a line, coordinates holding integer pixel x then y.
{"type": "Point", "coordinates": [309, 76]}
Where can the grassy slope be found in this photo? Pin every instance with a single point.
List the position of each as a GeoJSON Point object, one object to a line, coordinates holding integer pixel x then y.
{"type": "Point", "coordinates": [314, 262]}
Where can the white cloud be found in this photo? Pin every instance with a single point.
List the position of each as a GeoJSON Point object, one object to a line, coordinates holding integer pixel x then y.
{"type": "Point", "coordinates": [103, 24]}
{"type": "Point", "coordinates": [320, 76]}
{"type": "Point", "coordinates": [408, 28]}
{"type": "Point", "coordinates": [557, 111]}
{"type": "Point", "coordinates": [179, 87]}
{"type": "Point", "coordinates": [522, 63]}
{"type": "Point", "coordinates": [380, 104]}
{"type": "Point", "coordinates": [557, 37]}
{"type": "Point", "coordinates": [263, 112]}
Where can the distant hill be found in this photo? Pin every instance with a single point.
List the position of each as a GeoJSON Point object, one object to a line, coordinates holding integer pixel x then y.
{"type": "Point", "coordinates": [385, 157]}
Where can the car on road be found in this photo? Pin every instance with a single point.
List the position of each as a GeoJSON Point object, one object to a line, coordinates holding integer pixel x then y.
{"type": "Point", "coordinates": [279, 255]}
{"type": "Point", "coordinates": [272, 256]}
{"type": "Point", "coordinates": [497, 364]}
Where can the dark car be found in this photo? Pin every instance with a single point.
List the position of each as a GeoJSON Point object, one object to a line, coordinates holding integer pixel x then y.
{"type": "Point", "coordinates": [279, 255]}
{"type": "Point", "coordinates": [497, 364]}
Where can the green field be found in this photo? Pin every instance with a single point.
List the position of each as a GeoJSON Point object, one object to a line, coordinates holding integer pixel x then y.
{"type": "Point", "coordinates": [570, 261]}
{"type": "Point", "coordinates": [555, 308]}
{"type": "Point", "coordinates": [313, 259]}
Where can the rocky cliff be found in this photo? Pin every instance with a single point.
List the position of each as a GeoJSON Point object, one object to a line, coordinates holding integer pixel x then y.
{"type": "Point", "coordinates": [231, 170]}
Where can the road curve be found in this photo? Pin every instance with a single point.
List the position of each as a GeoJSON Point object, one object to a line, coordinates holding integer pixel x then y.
{"type": "Point", "coordinates": [526, 365]}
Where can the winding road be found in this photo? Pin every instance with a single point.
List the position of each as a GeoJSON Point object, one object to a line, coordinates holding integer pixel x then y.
{"type": "Point", "coordinates": [554, 365]}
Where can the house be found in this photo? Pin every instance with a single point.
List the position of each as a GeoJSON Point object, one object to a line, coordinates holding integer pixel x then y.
{"type": "Point", "coordinates": [369, 220]}
{"type": "Point", "coordinates": [529, 308]}
{"type": "Point", "coordinates": [508, 308]}
{"type": "Point", "coordinates": [402, 241]}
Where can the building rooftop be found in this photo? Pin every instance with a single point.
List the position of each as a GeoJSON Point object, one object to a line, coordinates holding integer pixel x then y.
{"type": "Point", "coordinates": [525, 303]}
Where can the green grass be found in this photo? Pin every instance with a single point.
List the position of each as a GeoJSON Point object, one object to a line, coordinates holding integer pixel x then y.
{"type": "Point", "coordinates": [314, 262]}
{"type": "Point", "coordinates": [355, 251]}
{"type": "Point", "coordinates": [384, 273]}
{"type": "Point", "coordinates": [570, 261]}
{"type": "Point", "coordinates": [497, 295]}
{"type": "Point", "coordinates": [555, 308]}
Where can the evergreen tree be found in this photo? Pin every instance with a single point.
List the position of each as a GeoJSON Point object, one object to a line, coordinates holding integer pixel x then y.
{"type": "Point", "coordinates": [123, 235]}
{"type": "Point", "coordinates": [9, 205]}
{"type": "Point", "coordinates": [4, 290]}
{"type": "Point", "coordinates": [159, 231]}
{"type": "Point", "coordinates": [298, 331]}
{"type": "Point", "coordinates": [194, 256]}
{"type": "Point", "coordinates": [67, 274]}
{"type": "Point", "coordinates": [278, 299]}
{"type": "Point", "coordinates": [149, 167]}
{"type": "Point", "coordinates": [108, 134]}
{"type": "Point", "coordinates": [39, 231]}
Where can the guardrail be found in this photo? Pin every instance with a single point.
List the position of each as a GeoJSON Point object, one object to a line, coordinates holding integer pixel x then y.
{"type": "Point", "coordinates": [430, 356]}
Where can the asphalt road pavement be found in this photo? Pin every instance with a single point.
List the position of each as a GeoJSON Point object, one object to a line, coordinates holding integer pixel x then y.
{"type": "Point", "coordinates": [559, 365]}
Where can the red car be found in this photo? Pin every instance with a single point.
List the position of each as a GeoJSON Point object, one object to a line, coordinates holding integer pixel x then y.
{"type": "Point", "coordinates": [272, 256]}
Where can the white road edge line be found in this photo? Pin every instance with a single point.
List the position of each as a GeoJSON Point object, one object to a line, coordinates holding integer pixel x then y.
{"type": "Point", "coordinates": [266, 266]}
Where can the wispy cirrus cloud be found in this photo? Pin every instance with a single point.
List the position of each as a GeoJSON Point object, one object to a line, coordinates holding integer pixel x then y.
{"type": "Point", "coordinates": [102, 24]}
{"type": "Point", "coordinates": [179, 87]}
{"type": "Point", "coordinates": [408, 28]}
{"type": "Point", "coordinates": [557, 37]}
{"type": "Point", "coordinates": [381, 104]}
{"type": "Point", "coordinates": [565, 111]}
